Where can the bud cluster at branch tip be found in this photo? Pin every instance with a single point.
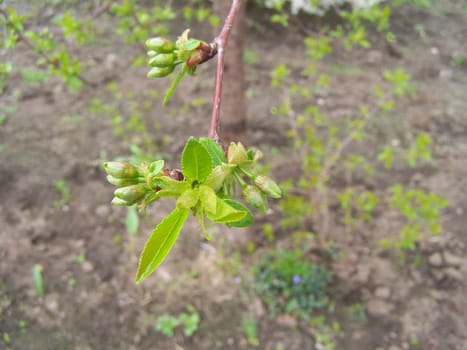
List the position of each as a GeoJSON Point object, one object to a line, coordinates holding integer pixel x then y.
{"type": "Point", "coordinates": [164, 55]}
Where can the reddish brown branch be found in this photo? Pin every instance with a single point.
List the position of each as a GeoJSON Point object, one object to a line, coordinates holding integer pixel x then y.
{"type": "Point", "coordinates": [219, 45]}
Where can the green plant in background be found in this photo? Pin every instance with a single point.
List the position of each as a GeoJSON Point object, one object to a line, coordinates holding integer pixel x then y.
{"type": "Point", "coordinates": [357, 207]}
{"type": "Point", "coordinates": [326, 333]}
{"type": "Point", "coordinates": [401, 81]}
{"type": "Point", "coordinates": [287, 283]}
{"type": "Point", "coordinates": [166, 325]}
{"type": "Point", "coordinates": [51, 49]}
{"type": "Point", "coordinates": [324, 147]}
{"type": "Point", "coordinates": [63, 189]}
{"type": "Point", "coordinates": [127, 118]}
{"type": "Point", "coordinates": [38, 280]}
{"type": "Point", "coordinates": [250, 328]}
{"type": "Point", "coordinates": [421, 212]}
{"type": "Point", "coordinates": [189, 321]}
{"type": "Point", "coordinates": [357, 312]}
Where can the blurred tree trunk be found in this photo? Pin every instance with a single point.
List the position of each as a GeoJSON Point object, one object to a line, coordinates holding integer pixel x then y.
{"type": "Point", "coordinates": [233, 107]}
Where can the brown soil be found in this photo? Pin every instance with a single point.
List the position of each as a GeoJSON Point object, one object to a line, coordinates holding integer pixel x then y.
{"type": "Point", "coordinates": [88, 260]}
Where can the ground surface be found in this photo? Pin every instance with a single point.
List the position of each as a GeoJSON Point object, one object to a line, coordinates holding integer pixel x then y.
{"type": "Point", "coordinates": [89, 261]}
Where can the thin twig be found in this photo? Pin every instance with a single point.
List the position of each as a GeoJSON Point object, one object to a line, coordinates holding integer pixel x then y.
{"type": "Point", "coordinates": [219, 43]}
{"type": "Point", "coordinates": [100, 10]}
{"type": "Point", "coordinates": [323, 178]}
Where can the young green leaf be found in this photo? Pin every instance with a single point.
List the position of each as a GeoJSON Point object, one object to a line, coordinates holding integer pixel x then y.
{"type": "Point", "coordinates": [188, 199]}
{"type": "Point", "coordinates": [191, 44]}
{"type": "Point", "coordinates": [196, 161]}
{"type": "Point", "coordinates": [160, 242]}
{"type": "Point", "coordinates": [208, 198]}
{"type": "Point", "coordinates": [215, 150]}
{"type": "Point", "coordinates": [247, 220]}
{"type": "Point", "coordinates": [170, 187]}
{"type": "Point", "coordinates": [216, 178]}
{"type": "Point", "coordinates": [156, 167]}
{"type": "Point", "coordinates": [225, 213]}
{"type": "Point", "coordinates": [175, 83]}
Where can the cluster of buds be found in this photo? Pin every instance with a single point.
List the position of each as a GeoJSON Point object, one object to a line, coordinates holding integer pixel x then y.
{"type": "Point", "coordinates": [164, 55]}
{"type": "Point", "coordinates": [137, 184]}
{"type": "Point", "coordinates": [130, 181]}
{"type": "Point", "coordinates": [260, 187]}
{"type": "Point", "coordinates": [142, 184]}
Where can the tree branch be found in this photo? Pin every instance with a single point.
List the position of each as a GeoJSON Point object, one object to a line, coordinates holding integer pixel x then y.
{"type": "Point", "coordinates": [219, 45]}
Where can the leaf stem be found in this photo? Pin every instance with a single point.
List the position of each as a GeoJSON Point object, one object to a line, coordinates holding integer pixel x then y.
{"type": "Point", "coordinates": [219, 43]}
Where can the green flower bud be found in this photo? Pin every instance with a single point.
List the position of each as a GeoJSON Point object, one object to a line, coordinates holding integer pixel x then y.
{"type": "Point", "coordinates": [162, 60]}
{"type": "Point", "coordinates": [216, 178]}
{"type": "Point", "coordinates": [131, 194]}
{"type": "Point", "coordinates": [125, 181]}
{"type": "Point", "coordinates": [122, 170]}
{"type": "Point", "coordinates": [118, 201]}
{"type": "Point", "coordinates": [258, 156]}
{"type": "Point", "coordinates": [255, 198]}
{"type": "Point", "coordinates": [268, 186]}
{"type": "Point", "coordinates": [237, 154]}
{"type": "Point", "coordinates": [151, 53]}
{"type": "Point", "coordinates": [161, 45]}
{"type": "Point", "coordinates": [160, 72]}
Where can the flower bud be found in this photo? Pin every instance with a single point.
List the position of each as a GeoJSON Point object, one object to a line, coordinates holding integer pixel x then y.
{"type": "Point", "coordinates": [216, 178]}
{"type": "Point", "coordinates": [119, 182]}
{"type": "Point", "coordinates": [161, 45]}
{"type": "Point", "coordinates": [162, 60]}
{"type": "Point", "coordinates": [160, 72]}
{"type": "Point", "coordinates": [118, 201]}
{"type": "Point", "coordinates": [237, 154]}
{"type": "Point", "coordinates": [121, 170]}
{"type": "Point", "coordinates": [131, 194]}
{"type": "Point", "coordinates": [268, 186]}
{"type": "Point", "coordinates": [255, 198]}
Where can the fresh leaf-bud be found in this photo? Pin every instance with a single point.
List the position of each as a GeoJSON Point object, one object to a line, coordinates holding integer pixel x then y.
{"type": "Point", "coordinates": [237, 154]}
{"type": "Point", "coordinates": [122, 170]}
{"type": "Point", "coordinates": [200, 54]}
{"type": "Point", "coordinates": [258, 156]}
{"type": "Point", "coordinates": [162, 60]}
{"type": "Point", "coordinates": [268, 186]}
{"type": "Point", "coordinates": [156, 167]}
{"type": "Point", "coordinates": [161, 45]}
{"type": "Point", "coordinates": [119, 182]}
{"type": "Point", "coordinates": [131, 194]}
{"type": "Point", "coordinates": [255, 198]}
{"type": "Point", "coordinates": [160, 72]}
